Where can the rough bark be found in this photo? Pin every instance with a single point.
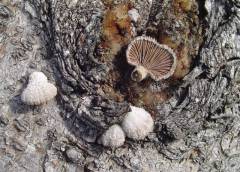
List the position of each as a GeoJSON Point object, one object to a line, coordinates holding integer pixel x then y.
{"type": "Point", "coordinates": [196, 130]}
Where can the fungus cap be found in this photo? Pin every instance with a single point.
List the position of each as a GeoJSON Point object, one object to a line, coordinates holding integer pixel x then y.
{"type": "Point", "coordinates": [37, 76]}
{"type": "Point", "coordinates": [137, 124]}
{"type": "Point", "coordinates": [150, 58]}
{"type": "Point", "coordinates": [113, 137]}
{"type": "Point", "coordinates": [38, 90]}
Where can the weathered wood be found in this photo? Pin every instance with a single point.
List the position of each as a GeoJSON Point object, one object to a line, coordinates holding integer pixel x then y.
{"type": "Point", "coordinates": [200, 117]}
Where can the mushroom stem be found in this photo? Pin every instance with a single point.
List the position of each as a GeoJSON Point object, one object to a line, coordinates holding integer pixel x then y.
{"type": "Point", "coordinates": [139, 73]}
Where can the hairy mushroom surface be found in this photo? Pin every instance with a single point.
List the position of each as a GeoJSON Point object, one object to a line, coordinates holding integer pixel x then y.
{"type": "Point", "coordinates": [137, 123]}
{"type": "Point", "coordinates": [150, 58]}
{"type": "Point", "coordinates": [38, 90]}
{"type": "Point", "coordinates": [113, 137]}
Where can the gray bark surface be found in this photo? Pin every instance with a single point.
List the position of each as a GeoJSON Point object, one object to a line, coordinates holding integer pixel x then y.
{"type": "Point", "coordinates": [196, 130]}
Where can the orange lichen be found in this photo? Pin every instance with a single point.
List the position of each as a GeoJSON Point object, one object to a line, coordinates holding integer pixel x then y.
{"type": "Point", "coordinates": [185, 5]}
{"type": "Point", "coordinates": [149, 98]}
{"type": "Point", "coordinates": [183, 64]}
{"type": "Point", "coordinates": [112, 94]}
{"type": "Point", "coordinates": [163, 39]}
{"type": "Point", "coordinates": [116, 30]}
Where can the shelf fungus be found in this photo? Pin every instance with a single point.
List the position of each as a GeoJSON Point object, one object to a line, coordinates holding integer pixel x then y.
{"type": "Point", "coordinates": [137, 124]}
{"type": "Point", "coordinates": [38, 90]}
{"type": "Point", "coordinates": [113, 137]}
{"type": "Point", "coordinates": [150, 58]}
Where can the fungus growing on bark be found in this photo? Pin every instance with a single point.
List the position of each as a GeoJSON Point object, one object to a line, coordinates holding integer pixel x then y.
{"type": "Point", "coordinates": [38, 90]}
{"type": "Point", "coordinates": [116, 30]}
{"type": "Point", "coordinates": [185, 5]}
{"type": "Point", "coordinates": [150, 58]}
{"type": "Point", "coordinates": [137, 123]}
{"type": "Point", "coordinates": [113, 137]}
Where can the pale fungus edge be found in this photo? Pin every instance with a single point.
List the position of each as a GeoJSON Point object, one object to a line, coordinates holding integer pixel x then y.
{"type": "Point", "coordinates": [163, 46]}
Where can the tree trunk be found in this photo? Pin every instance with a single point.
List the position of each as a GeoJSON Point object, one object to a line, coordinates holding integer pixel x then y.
{"type": "Point", "coordinates": [81, 45]}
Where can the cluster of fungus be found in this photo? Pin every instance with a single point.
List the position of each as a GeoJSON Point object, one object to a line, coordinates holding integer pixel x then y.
{"type": "Point", "coordinates": [150, 59]}
{"type": "Point", "coordinates": [137, 124]}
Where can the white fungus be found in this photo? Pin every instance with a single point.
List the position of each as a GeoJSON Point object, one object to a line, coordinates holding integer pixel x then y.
{"type": "Point", "coordinates": [113, 137]}
{"type": "Point", "coordinates": [137, 123]}
{"type": "Point", "coordinates": [134, 15]}
{"type": "Point", "coordinates": [38, 90]}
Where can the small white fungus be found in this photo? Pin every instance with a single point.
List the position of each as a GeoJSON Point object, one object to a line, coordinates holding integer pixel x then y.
{"type": "Point", "coordinates": [134, 15]}
{"type": "Point", "coordinates": [38, 90]}
{"type": "Point", "coordinates": [137, 124]}
{"type": "Point", "coordinates": [113, 137]}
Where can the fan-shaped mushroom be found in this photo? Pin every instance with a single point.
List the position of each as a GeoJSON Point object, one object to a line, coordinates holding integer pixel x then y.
{"type": "Point", "coordinates": [38, 90]}
{"type": "Point", "coordinates": [150, 58]}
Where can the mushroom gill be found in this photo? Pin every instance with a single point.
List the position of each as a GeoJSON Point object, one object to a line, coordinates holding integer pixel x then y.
{"type": "Point", "coordinates": [150, 58]}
